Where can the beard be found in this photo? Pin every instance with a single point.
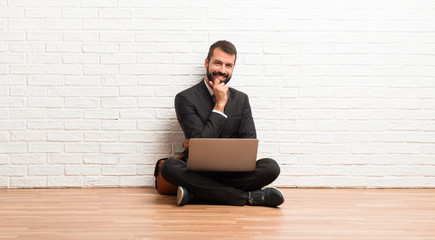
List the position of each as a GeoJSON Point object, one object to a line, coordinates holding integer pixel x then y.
{"type": "Point", "coordinates": [217, 73]}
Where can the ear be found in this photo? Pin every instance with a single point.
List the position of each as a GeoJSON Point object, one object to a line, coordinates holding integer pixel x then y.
{"type": "Point", "coordinates": [206, 63]}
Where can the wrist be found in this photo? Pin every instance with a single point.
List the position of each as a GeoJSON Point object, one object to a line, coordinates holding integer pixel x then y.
{"type": "Point", "coordinates": [219, 107]}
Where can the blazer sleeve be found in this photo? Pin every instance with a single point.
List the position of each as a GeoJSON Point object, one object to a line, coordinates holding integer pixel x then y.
{"type": "Point", "coordinates": [191, 122]}
{"type": "Point", "coordinates": [247, 126]}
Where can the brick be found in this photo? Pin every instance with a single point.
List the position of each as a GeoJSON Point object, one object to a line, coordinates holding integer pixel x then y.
{"type": "Point", "coordinates": [81, 147]}
{"type": "Point", "coordinates": [101, 136]}
{"type": "Point", "coordinates": [28, 159]}
{"type": "Point", "coordinates": [117, 170]}
{"type": "Point", "coordinates": [82, 170]}
{"type": "Point", "coordinates": [45, 80]}
{"type": "Point", "coordinates": [117, 125]}
{"type": "Point", "coordinates": [80, 36]}
{"type": "Point", "coordinates": [27, 69]}
{"type": "Point", "coordinates": [117, 148]}
{"type": "Point", "coordinates": [100, 92]}
{"type": "Point", "coordinates": [4, 137]}
{"type": "Point", "coordinates": [52, 170]}
{"type": "Point", "coordinates": [61, 136]}
{"type": "Point", "coordinates": [12, 35]}
{"type": "Point", "coordinates": [137, 91]}
{"type": "Point", "coordinates": [82, 125]}
{"type": "Point", "coordinates": [145, 169]}
{"type": "Point", "coordinates": [19, 24]}
{"type": "Point", "coordinates": [64, 92]}
{"type": "Point", "coordinates": [99, 3]}
{"type": "Point", "coordinates": [137, 114]}
{"type": "Point", "coordinates": [81, 103]}
{"type": "Point", "coordinates": [44, 124]}
{"type": "Point", "coordinates": [163, 125]}
{"type": "Point", "coordinates": [26, 3]}
{"type": "Point", "coordinates": [136, 47]}
{"type": "Point", "coordinates": [4, 182]}
{"type": "Point", "coordinates": [63, 24]}
{"type": "Point", "coordinates": [65, 113]}
{"type": "Point", "coordinates": [101, 159]}
{"type": "Point", "coordinates": [79, 13]}
{"type": "Point", "coordinates": [11, 102]}
{"type": "Point", "coordinates": [12, 125]}
{"type": "Point", "coordinates": [80, 58]}
{"type": "Point", "coordinates": [67, 69]}
{"type": "Point", "coordinates": [37, 136]}
{"type": "Point", "coordinates": [117, 36]}
{"type": "Point", "coordinates": [64, 182]}
{"type": "Point", "coordinates": [137, 69]}
{"type": "Point", "coordinates": [11, 58]}
{"type": "Point", "coordinates": [137, 181]}
{"type": "Point", "coordinates": [12, 171]}
{"type": "Point", "coordinates": [28, 182]}
{"type": "Point", "coordinates": [101, 114]}
{"type": "Point", "coordinates": [27, 47]}
{"type": "Point", "coordinates": [100, 47]}
{"type": "Point", "coordinates": [64, 47]}
{"type": "Point", "coordinates": [136, 3]}
{"type": "Point", "coordinates": [119, 103]}
{"type": "Point", "coordinates": [45, 147]}
{"type": "Point", "coordinates": [44, 13]}
{"type": "Point", "coordinates": [69, 158]}
{"type": "Point", "coordinates": [166, 114]}
{"type": "Point", "coordinates": [115, 13]}
{"type": "Point", "coordinates": [119, 81]}
{"type": "Point", "coordinates": [99, 24]}
{"type": "Point", "coordinates": [64, 3]}
{"type": "Point", "coordinates": [101, 70]}
{"type": "Point", "coordinates": [136, 137]}
{"type": "Point", "coordinates": [132, 159]}
{"type": "Point", "coordinates": [82, 80]}
{"type": "Point", "coordinates": [29, 91]}
{"type": "Point", "coordinates": [43, 102]}
{"type": "Point", "coordinates": [154, 148]}
{"type": "Point", "coordinates": [167, 91]}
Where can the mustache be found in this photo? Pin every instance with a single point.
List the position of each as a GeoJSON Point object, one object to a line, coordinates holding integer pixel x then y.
{"type": "Point", "coordinates": [217, 73]}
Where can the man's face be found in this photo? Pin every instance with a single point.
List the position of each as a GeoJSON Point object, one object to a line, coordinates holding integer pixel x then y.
{"type": "Point", "coordinates": [220, 67]}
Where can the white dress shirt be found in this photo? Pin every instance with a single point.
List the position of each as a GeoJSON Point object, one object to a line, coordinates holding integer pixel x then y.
{"type": "Point", "coordinates": [210, 90]}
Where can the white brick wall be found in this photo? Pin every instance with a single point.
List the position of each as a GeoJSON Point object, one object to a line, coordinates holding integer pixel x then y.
{"type": "Point", "coordinates": [343, 92]}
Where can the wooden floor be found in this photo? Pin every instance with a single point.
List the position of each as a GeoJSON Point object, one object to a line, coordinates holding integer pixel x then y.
{"type": "Point", "coordinates": [140, 213]}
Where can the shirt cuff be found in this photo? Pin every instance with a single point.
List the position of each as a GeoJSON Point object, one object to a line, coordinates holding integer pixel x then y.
{"type": "Point", "coordinates": [221, 113]}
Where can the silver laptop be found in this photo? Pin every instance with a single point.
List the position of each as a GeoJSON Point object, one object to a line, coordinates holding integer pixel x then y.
{"type": "Point", "coordinates": [222, 154]}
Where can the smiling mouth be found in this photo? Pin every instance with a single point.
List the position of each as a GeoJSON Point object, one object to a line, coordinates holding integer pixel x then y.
{"type": "Point", "coordinates": [220, 76]}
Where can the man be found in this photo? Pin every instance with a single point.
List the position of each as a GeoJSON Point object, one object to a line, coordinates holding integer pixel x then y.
{"type": "Point", "coordinates": [212, 110]}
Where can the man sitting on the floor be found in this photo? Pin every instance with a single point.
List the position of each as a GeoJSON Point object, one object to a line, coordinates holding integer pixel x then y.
{"type": "Point", "coordinates": [212, 110]}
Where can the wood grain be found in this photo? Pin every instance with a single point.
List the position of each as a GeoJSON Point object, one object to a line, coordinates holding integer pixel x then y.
{"type": "Point", "coordinates": [141, 213]}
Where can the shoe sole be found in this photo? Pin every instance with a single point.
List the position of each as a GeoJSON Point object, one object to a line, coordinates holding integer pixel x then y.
{"type": "Point", "coordinates": [180, 195]}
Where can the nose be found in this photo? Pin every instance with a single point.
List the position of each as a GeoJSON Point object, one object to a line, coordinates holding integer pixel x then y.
{"type": "Point", "coordinates": [222, 69]}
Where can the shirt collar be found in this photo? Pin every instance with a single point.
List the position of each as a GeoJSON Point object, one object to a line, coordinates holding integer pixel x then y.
{"type": "Point", "coordinates": [210, 90]}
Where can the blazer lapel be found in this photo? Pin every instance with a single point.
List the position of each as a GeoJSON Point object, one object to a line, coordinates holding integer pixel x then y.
{"type": "Point", "coordinates": [204, 96]}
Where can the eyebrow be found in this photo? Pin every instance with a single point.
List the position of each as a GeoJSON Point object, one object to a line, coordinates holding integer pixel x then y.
{"type": "Point", "coordinates": [219, 61]}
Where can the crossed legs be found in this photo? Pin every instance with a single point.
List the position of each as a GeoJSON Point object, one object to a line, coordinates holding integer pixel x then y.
{"type": "Point", "coordinates": [225, 187]}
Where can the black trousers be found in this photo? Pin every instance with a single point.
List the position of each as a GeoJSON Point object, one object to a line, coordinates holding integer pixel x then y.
{"type": "Point", "coordinates": [224, 187]}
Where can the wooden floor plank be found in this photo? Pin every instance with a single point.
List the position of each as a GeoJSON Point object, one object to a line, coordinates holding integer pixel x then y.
{"type": "Point", "coordinates": [140, 213]}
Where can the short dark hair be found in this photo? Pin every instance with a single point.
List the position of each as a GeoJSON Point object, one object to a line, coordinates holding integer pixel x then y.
{"type": "Point", "coordinates": [225, 46]}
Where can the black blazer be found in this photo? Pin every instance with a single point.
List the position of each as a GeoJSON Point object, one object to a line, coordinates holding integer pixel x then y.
{"type": "Point", "coordinates": [194, 113]}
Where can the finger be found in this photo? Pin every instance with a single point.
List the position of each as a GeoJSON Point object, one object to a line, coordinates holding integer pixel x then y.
{"type": "Point", "coordinates": [216, 82]}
